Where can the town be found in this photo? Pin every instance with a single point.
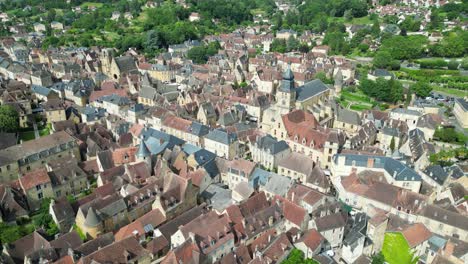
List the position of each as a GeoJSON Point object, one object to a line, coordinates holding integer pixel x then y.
{"type": "Point", "coordinates": [232, 132]}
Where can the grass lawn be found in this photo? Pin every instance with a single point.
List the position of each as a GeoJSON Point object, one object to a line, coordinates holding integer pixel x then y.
{"type": "Point", "coordinates": [360, 107]}
{"type": "Point", "coordinates": [396, 249]}
{"type": "Point", "coordinates": [356, 100]}
{"type": "Point", "coordinates": [88, 4]}
{"type": "Point", "coordinates": [450, 91]}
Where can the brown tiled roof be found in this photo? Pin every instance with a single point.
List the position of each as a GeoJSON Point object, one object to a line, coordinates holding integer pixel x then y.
{"type": "Point", "coordinates": [330, 222]}
{"type": "Point", "coordinates": [34, 178]}
{"type": "Point", "coordinates": [118, 252]}
{"type": "Point", "coordinates": [416, 234]}
{"type": "Point", "coordinates": [154, 218]}
{"type": "Point", "coordinates": [294, 213]}
{"type": "Point", "coordinates": [124, 155]}
{"type": "Point", "coordinates": [312, 239]}
{"type": "Point", "coordinates": [253, 204]}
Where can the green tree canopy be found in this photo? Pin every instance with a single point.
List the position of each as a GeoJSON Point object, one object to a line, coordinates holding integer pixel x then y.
{"type": "Point", "coordinates": [421, 89]}
{"type": "Point", "coordinates": [8, 119]}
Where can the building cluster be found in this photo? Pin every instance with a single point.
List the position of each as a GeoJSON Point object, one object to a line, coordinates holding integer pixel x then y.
{"type": "Point", "coordinates": [239, 160]}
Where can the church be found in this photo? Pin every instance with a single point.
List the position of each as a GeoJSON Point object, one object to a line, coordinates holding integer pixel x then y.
{"type": "Point", "coordinates": [289, 97]}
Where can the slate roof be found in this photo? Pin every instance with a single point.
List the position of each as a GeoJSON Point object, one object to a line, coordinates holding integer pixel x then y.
{"type": "Point", "coordinates": [396, 169]}
{"type": "Point", "coordinates": [126, 64]}
{"type": "Point", "coordinates": [437, 173]}
{"type": "Point", "coordinates": [222, 136]}
{"type": "Point", "coordinates": [38, 89]}
{"type": "Point", "coordinates": [310, 89]}
{"type": "Point", "coordinates": [271, 144]}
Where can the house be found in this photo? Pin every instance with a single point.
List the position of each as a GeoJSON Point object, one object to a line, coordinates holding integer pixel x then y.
{"type": "Point", "coordinates": [239, 170]}
{"type": "Point", "coordinates": [393, 171]}
{"type": "Point", "coordinates": [268, 151]}
{"type": "Point", "coordinates": [54, 110]}
{"type": "Point", "coordinates": [323, 49]}
{"type": "Point", "coordinates": [207, 114]}
{"type": "Point", "coordinates": [12, 207]}
{"type": "Point", "coordinates": [286, 34]}
{"type": "Point", "coordinates": [417, 236]}
{"type": "Point", "coordinates": [101, 215]}
{"type": "Point", "coordinates": [41, 78]}
{"type": "Point", "coordinates": [222, 143]}
{"type": "Point", "coordinates": [411, 117]}
{"type": "Point", "coordinates": [38, 27]}
{"type": "Point", "coordinates": [356, 241]}
{"type": "Point", "coordinates": [42, 93]}
{"type": "Point", "coordinates": [128, 250]}
{"type": "Point", "coordinates": [214, 242]}
{"type": "Point", "coordinates": [311, 243]}
{"type": "Point", "coordinates": [56, 25]}
{"type": "Point", "coordinates": [331, 227]}
{"type": "Point", "coordinates": [460, 110]}
{"type": "Point", "coordinates": [347, 120]}
{"type": "Point", "coordinates": [62, 213]}
{"type": "Point", "coordinates": [32, 154]}
{"type": "Point", "coordinates": [380, 73]}
{"type": "Point", "coordinates": [143, 227]}
{"type": "Point", "coordinates": [194, 17]}
{"type": "Point", "coordinates": [444, 222]}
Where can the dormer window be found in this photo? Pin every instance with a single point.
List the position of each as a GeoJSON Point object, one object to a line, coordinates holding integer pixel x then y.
{"type": "Point", "coordinates": [304, 141]}
{"type": "Point", "coordinates": [296, 138]}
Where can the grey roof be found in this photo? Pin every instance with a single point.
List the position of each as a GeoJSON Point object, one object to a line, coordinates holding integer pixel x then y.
{"type": "Point", "coordinates": [396, 169]}
{"type": "Point", "coordinates": [219, 197]}
{"type": "Point", "coordinates": [463, 103]}
{"type": "Point", "coordinates": [126, 64]}
{"type": "Point", "coordinates": [445, 216]}
{"type": "Point", "coordinates": [310, 89]}
{"type": "Point", "coordinates": [406, 111]}
{"type": "Point", "coordinates": [437, 173]}
{"type": "Point", "coordinates": [278, 184]}
{"type": "Point", "coordinates": [199, 129]}
{"type": "Point", "coordinates": [347, 116]}
{"type": "Point", "coordinates": [382, 73]}
{"type": "Point", "coordinates": [222, 136]}
{"type": "Point", "coordinates": [272, 144]}
{"type": "Point", "coordinates": [92, 219]}
{"type": "Point", "coordinates": [143, 150]}
{"type": "Point", "coordinates": [38, 89]}
{"type": "Point", "coordinates": [115, 99]}
{"type": "Point", "coordinates": [227, 119]}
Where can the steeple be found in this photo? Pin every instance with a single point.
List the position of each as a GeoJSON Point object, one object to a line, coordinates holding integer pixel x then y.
{"type": "Point", "coordinates": [143, 151]}
{"type": "Point", "coordinates": [287, 84]}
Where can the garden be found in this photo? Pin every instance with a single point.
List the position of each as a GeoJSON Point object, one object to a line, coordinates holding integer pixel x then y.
{"type": "Point", "coordinates": [396, 250]}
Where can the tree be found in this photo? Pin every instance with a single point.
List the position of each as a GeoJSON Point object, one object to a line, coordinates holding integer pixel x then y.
{"type": "Point", "coordinates": [392, 144]}
{"type": "Point", "coordinates": [292, 43]}
{"type": "Point", "coordinates": [152, 42]}
{"type": "Point", "coordinates": [382, 59]}
{"type": "Point", "coordinates": [9, 121]}
{"type": "Point", "coordinates": [278, 45]}
{"type": "Point", "coordinates": [375, 29]}
{"type": "Point", "coordinates": [421, 89]}
{"type": "Point", "coordinates": [378, 259]}
{"type": "Point", "coordinates": [453, 65]}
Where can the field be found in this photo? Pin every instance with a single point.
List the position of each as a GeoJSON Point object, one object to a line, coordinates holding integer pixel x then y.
{"type": "Point", "coordinates": [396, 250]}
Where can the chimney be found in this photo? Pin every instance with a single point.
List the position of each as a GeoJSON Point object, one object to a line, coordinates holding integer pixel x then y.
{"type": "Point", "coordinates": [449, 247]}
{"type": "Point", "coordinates": [192, 236]}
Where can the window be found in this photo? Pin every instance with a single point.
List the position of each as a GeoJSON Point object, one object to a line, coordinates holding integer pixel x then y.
{"type": "Point", "coordinates": [28, 168]}
{"type": "Point", "coordinates": [330, 151]}
{"type": "Point", "coordinates": [40, 196]}
{"type": "Point", "coordinates": [58, 193]}
{"type": "Point", "coordinates": [8, 167]}
{"type": "Point", "coordinates": [38, 187]}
